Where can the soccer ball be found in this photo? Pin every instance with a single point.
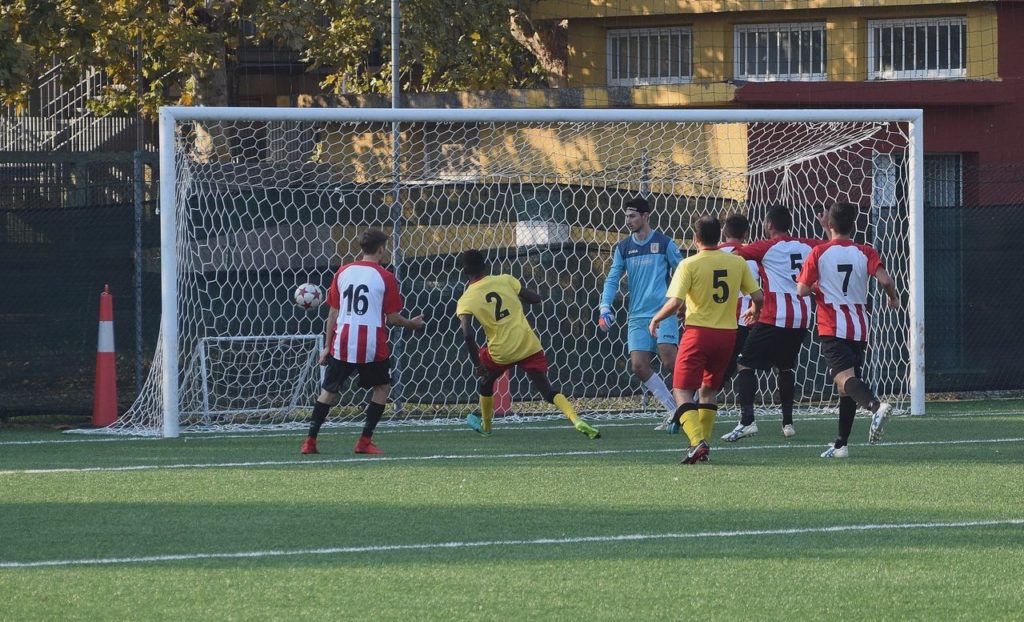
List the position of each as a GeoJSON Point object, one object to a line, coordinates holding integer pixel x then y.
{"type": "Point", "coordinates": [308, 296]}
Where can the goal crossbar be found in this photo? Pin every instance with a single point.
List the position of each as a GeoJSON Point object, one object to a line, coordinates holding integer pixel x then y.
{"type": "Point", "coordinates": [539, 115]}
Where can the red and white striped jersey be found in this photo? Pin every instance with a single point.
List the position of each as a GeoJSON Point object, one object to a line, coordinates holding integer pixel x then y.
{"type": "Point", "coordinates": [363, 293]}
{"type": "Point", "coordinates": [841, 269]}
{"type": "Point", "coordinates": [744, 302]}
{"type": "Point", "coordinates": [779, 260]}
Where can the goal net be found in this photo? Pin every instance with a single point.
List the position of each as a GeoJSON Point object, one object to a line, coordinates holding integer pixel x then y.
{"type": "Point", "coordinates": [256, 201]}
{"type": "Point", "coordinates": [245, 375]}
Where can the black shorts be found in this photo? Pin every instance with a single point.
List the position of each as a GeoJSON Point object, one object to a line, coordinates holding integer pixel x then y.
{"type": "Point", "coordinates": [741, 338]}
{"type": "Point", "coordinates": [842, 354]}
{"type": "Point", "coordinates": [370, 374]}
{"type": "Point", "coordinates": [769, 346]}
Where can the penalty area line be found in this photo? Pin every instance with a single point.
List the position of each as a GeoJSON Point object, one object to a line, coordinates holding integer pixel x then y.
{"type": "Point", "coordinates": [481, 544]}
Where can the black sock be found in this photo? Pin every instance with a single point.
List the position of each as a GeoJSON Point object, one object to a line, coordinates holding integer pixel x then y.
{"type": "Point", "coordinates": [320, 411]}
{"type": "Point", "coordinates": [847, 411]}
{"type": "Point", "coordinates": [745, 384]}
{"type": "Point", "coordinates": [861, 393]}
{"type": "Point", "coordinates": [682, 410]}
{"type": "Point", "coordinates": [374, 412]}
{"type": "Point", "coordinates": [787, 387]}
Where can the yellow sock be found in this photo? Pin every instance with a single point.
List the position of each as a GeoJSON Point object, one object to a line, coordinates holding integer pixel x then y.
{"type": "Point", "coordinates": [564, 406]}
{"type": "Point", "coordinates": [487, 410]}
{"type": "Point", "coordinates": [707, 414]}
{"type": "Point", "coordinates": [691, 424]}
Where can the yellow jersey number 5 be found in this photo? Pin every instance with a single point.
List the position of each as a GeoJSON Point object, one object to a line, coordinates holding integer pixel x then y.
{"type": "Point", "coordinates": [720, 285]}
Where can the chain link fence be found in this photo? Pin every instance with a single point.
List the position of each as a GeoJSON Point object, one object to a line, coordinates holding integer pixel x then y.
{"type": "Point", "coordinates": [973, 256]}
{"type": "Point", "coordinates": [54, 263]}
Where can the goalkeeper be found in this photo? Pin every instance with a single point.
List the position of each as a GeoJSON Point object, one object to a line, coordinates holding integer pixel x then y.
{"type": "Point", "coordinates": [647, 257]}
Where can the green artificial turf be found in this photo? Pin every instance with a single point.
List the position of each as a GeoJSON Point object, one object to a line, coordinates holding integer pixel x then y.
{"type": "Point", "coordinates": [535, 522]}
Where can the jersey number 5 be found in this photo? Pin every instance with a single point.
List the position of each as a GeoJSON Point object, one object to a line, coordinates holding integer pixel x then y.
{"type": "Point", "coordinates": [718, 283]}
{"type": "Point", "coordinates": [796, 261]}
{"type": "Point", "coordinates": [499, 313]}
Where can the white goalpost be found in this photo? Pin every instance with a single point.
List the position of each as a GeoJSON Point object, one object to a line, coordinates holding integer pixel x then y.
{"type": "Point", "coordinates": [254, 201]}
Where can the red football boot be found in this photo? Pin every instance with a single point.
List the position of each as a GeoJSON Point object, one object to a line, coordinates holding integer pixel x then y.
{"type": "Point", "coordinates": [309, 446]}
{"type": "Point", "coordinates": [366, 446]}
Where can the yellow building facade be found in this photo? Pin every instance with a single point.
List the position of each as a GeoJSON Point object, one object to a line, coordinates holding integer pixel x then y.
{"type": "Point", "coordinates": [712, 26]}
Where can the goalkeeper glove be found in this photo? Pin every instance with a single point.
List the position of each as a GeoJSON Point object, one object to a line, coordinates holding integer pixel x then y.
{"type": "Point", "coordinates": [606, 320]}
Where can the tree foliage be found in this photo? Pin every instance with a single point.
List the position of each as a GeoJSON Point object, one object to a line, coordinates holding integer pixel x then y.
{"type": "Point", "coordinates": [190, 47]}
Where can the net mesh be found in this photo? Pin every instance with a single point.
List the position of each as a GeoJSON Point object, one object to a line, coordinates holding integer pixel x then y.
{"type": "Point", "coordinates": [233, 377]}
{"type": "Point", "coordinates": [265, 206]}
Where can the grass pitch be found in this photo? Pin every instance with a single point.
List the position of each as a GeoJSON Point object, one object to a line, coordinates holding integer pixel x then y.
{"type": "Point", "coordinates": [535, 522]}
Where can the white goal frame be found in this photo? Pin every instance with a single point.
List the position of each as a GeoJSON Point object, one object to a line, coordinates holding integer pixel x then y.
{"type": "Point", "coordinates": [171, 115]}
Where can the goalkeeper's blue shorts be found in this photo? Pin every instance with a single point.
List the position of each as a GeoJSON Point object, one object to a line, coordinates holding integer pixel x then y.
{"type": "Point", "coordinates": [640, 340]}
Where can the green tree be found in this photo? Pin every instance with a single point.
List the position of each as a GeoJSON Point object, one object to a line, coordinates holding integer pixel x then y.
{"type": "Point", "coordinates": [189, 47]}
{"type": "Point", "coordinates": [185, 48]}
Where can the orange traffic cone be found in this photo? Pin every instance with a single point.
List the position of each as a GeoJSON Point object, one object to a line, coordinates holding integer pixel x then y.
{"type": "Point", "coordinates": [104, 400]}
{"type": "Point", "coordinates": [502, 396]}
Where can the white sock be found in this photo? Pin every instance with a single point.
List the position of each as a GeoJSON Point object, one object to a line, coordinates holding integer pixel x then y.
{"type": "Point", "coordinates": [658, 389]}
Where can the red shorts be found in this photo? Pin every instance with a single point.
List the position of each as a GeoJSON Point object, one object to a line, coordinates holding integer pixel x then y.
{"type": "Point", "coordinates": [704, 356]}
{"type": "Point", "coordinates": [534, 362]}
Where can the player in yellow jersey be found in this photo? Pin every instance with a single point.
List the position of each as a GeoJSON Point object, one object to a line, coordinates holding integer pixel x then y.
{"type": "Point", "coordinates": [496, 302]}
{"type": "Point", "coordinates": [710, 282]}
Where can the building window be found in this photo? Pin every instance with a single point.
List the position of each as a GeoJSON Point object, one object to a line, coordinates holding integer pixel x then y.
{"type": "Point", "coordinates": [943, 180]}
{"type": "Point", "coordinates": [885, 180]}
{"type": "Point", "coordinates": [918, 49]}
{"type": "Point", "coordinates": [766, 52]}
{"type": "Point", "coordinates": [639, 56]}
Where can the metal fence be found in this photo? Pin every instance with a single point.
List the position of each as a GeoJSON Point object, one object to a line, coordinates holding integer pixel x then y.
{"type": "Point", "coordinates": [53, 266]}
{"type": "Point", "coordinates": [54, 262]}
{"type": "Point", "coordinates": [973, 256]}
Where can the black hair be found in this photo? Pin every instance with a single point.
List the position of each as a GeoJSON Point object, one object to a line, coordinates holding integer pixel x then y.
{"type": "Point", "coordinates": [780, 218]}
{"type": "Point", "coordinates": [736, 226]}
{"type": "Point", "coordinates": [708, 230]}
{"type": "Point", "coordinates": [639, 204]}
{"type": "Point", "coordinates": [473, 263]}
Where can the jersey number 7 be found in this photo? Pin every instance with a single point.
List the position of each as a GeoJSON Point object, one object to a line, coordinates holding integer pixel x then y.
{"type": "Point", "coordinates": [847, 270]}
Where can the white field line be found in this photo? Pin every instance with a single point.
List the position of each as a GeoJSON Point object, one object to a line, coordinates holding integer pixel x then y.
{"type": "Point", "coordinates": [385, 548]}
{"type": "Point", "coordinates": [475, 456]}
{"type": "Point", "coordinates": [454, 427]}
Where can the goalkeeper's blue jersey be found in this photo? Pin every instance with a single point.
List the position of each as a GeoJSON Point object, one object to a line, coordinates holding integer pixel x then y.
{"type": "Point", "coordinates": [648, 266]}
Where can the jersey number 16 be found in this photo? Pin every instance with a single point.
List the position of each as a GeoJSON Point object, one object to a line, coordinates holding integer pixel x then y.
{"type": "Point", "coordinates": [356, 300]}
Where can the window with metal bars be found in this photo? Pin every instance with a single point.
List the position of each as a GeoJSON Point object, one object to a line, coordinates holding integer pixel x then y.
{"type": "Point", "coordinates": [917, 49]}
{"type": "Point", "coordinates": [767, 52]}
{"type": "Point", "coordinates": [639, 56]}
